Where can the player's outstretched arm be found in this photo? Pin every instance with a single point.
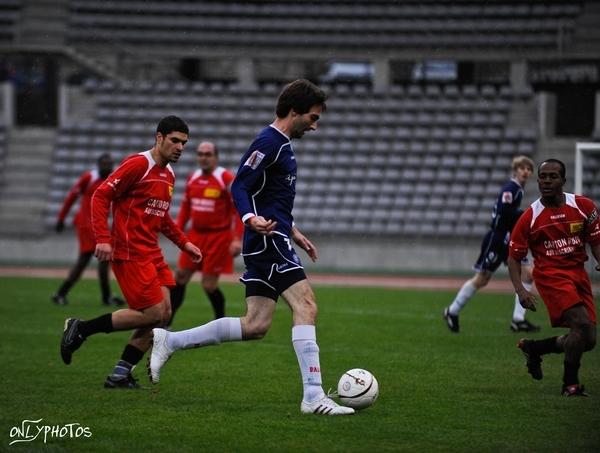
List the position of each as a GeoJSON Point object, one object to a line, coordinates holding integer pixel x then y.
{"type": "Point", "coordinates": [304, 243]}
{"type": "Point", "coordinates": [526, 299]}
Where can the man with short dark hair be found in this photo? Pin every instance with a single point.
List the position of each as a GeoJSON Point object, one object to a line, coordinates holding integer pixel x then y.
{"type": "Point", "coordinates": [85, 187]}
{"type": "Point", "coordinates": [556, 228]}
{"type": "Point", "coordinates": [264, 191]}
{"type": "Point", "coordinates": [140, 192]}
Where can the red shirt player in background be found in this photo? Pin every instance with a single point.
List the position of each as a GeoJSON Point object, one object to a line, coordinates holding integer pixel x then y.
{"type": "Point", "coordinates": [556, 228]}
{"type": "Point", "coordinates": [140, 192]}
{"type": "Point", "coordinates": [85, 187]}
{"type": "Point", "coordinates": [216, 228]}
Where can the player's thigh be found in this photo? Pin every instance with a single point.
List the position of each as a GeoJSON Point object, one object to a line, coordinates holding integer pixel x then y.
{"type": "Point", "coordinates": [301, 299]}
{"type": "Point", "coordinates": [183, 275]}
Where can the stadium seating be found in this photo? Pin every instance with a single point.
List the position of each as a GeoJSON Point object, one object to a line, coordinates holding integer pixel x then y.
{"type": "Point", "coordinates": [10, 12]}
{"type": "Point", "coordinates": [427, 163]}
{"type": "Point", "coordinates": [330, 23]}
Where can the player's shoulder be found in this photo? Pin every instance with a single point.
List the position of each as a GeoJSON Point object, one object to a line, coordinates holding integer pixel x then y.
{"type": "Point", "coordinates": [582, 200]}
{"type": "Point", "coordinates": [269, 140]}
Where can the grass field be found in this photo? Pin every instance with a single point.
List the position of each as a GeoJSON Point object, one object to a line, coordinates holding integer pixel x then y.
{"type": "Point", "coordinates": [438, 391]}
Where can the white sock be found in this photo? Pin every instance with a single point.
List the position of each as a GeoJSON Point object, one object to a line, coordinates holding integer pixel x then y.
{"type": "Point", "coordinates": [304, 340]}
{"type": "Point", "coordinates": [461, 299]}
{"type": "Point", "coordinates": [215, 332]}
{"type": "Point", "coordinates": [519, 311]}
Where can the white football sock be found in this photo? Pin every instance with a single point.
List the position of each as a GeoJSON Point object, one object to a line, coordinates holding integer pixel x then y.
{"type": "Point", "coordinates": [215, 332]}
{"type": "Point", "coordinates": [304, 340]}
{"type": "Point", "coordinates": [519, 311]}
{"type": "Point", "coordinates": [461, 299]}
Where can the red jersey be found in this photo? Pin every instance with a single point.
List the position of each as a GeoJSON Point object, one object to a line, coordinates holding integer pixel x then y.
{"type": "Point", "coordinates": [84, 187]}
{"type": "Point", "coordinates": [556, 236]}
{"type": "Point", "coordinates": [207, 201]}
{"type": "Point", "coordinates": [140, 192]}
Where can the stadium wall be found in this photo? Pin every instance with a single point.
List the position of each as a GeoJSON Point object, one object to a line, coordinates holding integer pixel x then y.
{"type": "Point", "coordinates": [359, 253]}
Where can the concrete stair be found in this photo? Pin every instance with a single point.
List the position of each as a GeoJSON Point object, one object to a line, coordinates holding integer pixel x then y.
{"type": "Point", "coordinates": [24, 186]}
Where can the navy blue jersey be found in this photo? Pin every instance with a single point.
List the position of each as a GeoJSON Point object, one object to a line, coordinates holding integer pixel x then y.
{"type": "Point", "coordinates": [265, 185]}
{"type": "Point", "coordinates": [506, 211]}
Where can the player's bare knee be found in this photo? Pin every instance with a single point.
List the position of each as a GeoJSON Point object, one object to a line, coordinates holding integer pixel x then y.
{"type": "Point", "coordinates": [256, 330]}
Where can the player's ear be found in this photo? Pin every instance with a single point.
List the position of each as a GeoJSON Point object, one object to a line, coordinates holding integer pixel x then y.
{"type": "Point", "coordinates": [159, 138]}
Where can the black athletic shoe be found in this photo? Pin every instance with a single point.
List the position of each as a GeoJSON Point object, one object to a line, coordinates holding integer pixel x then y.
{"type": "Point", "coordinates": [122, 382]}
{"type": "Point", "coordinates": [114, 300]}
{"type": "Point", "coordinates": [574, 390]}
{"type": "Point", "coordinates": [71, 339]}
{"type": "Point", "coordinates": [523, 326]}
{"type": "Point", "coordinates": [534, 361]}
{"type": "Point", "coordinates": [451, 321]}
{"type": "Point", "coordinates": [60, 300]}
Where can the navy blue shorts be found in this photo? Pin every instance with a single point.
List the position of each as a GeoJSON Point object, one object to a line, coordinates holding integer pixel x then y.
{"type": "Point", "coordinates": [271, 271]}
{"type": "Point", "coordinates": [494, 252]}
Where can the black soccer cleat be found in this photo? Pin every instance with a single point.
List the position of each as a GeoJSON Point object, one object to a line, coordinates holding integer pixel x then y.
{"type": "Point", "coordinates": [71, 339]}
{"type": "Point", "coordinates": [523, 326]}
{"type": "Point", "coordinates": [574, 390]}
{"type": "Point", "coordinates": [121, 382]}
{"type": "Point", "coordinates": [60, 300]}
{"type": "Point", "coordinates": [451, 321]}
{"type": "Point", "coordinates": [534, 361]}
{"type": "Point", "coordinates": [114, 300]}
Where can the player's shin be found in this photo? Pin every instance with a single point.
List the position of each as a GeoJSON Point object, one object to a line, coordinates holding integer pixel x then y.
{"type": "Point", "coordinates": [304, 340]}
{"type": "Point", "coordinates": [215, 332]}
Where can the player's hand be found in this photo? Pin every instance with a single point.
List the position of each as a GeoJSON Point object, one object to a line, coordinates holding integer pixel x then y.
{"type": "Point", "coordinates": [261, 225]}
{"type": "Point", "coordinates": [235, 248]}
{"type": "Point", "coordinates": [60, 226]}
{"type": "Point", "coordinates": [193, 251]}
{"type": "Point", "coordinates": [303, 242]}
{"type": "Point", "coordinates": [103, 251]}
{"type": "Point", "coordinates": [527, 300]}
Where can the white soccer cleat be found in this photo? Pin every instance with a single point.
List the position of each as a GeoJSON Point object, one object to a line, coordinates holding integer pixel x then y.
{"type": "Point", "coordinates": [325, 406]}
{"type": "Point", "coordinates": [161, 353]}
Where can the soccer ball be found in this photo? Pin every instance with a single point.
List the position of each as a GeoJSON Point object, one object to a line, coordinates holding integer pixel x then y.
{"type": "Point", "coordinates": [357, 388]}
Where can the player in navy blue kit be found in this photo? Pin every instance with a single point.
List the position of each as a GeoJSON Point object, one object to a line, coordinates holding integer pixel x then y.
{"type": "Point", "coordinates": [263, 192]}
{"type": "Point", "coordinates": [494, 249]}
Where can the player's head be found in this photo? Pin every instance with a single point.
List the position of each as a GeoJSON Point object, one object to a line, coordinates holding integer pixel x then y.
{"type": "Point", "coordinates": [522, 168]}
{"type": "Point", "coordinates": [105, 165]}
{"type": "Point", "coordinates": [208, 156]}
{"type": "Point", "coordinates": [171, 136]}
{"type": "Point", "coordinates": [303, 103]}
{"type": "Point", "coordinates": [551, 178]}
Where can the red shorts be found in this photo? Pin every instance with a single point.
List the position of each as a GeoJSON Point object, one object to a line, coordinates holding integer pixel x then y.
{"type": "Point", "coordinates": [141, 281]}
{"type": "Point", "coordinates": [216, 258]}
{"type": "Point", "coordinates": [87, 240]}
{"type": "Point", "coordinates": [561, 289]}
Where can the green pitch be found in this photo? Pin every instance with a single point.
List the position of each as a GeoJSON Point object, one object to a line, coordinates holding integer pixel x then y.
{"type": "Point", "coordinates": [438, 391]}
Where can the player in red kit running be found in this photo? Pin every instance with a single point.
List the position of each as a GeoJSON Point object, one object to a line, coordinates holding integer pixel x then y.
{"type": "Point", "coordinates": [215, 228]}
{"type": "Point", "coordinates": [556, 228]}
{"type": "Point", "coordinates": [140, 191]}
{"type": "Point", "coordinates": [85, 187]}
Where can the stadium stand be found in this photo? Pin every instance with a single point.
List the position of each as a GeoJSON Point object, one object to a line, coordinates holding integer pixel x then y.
{"type": "Point", "coordinates": [409, 151]}
{"type": "Point", "coordinates": [10, 12]}
{"type": "Point", "coordinates": [358, 24]}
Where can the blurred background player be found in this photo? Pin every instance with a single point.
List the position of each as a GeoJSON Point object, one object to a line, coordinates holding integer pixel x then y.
{"type": "Point", "coordinates": [216, 228]}
{"type": "Point", "coordinates": [264, 190]}
{"type": "Point", "coordinates": [556, 228]}
{"type": "Point", "coordinates": [494, 249]}
{"type": "Point", "coordinates": [85, 187]}
{"type": "Point", "coordinates": [140, 192]}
